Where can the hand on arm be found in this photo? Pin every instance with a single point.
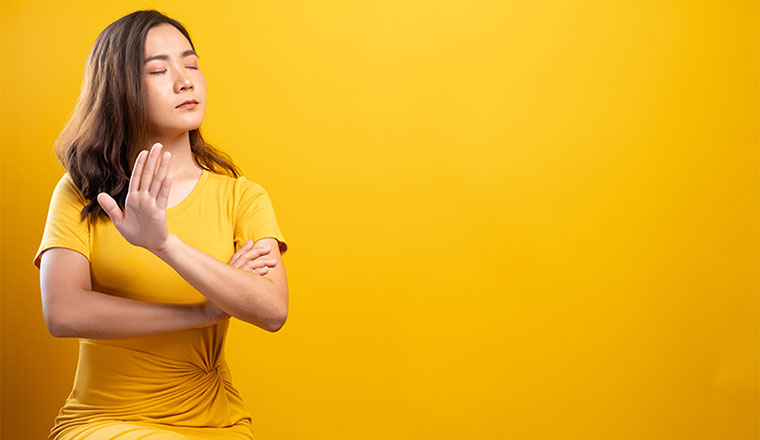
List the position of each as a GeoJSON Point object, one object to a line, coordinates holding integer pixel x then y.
{"type": "Point", "coordinates": [248, 258]}
{"type": "Point", "coordinates": [253, 298]}
{"type": "Point", "coordinates": [260, 299]}
{"type": "Point", "coordinates": [72, 309]}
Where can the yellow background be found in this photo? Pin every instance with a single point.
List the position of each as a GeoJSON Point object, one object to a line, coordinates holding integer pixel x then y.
{"type": "Point", "coordinates": [524, 220]}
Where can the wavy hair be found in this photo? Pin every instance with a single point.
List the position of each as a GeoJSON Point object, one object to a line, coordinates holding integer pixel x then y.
{"type": "Point", "coordinates": [108, 126]}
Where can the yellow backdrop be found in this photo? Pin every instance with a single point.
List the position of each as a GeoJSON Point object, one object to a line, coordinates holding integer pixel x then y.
{"type": "Point", "coordinates": [524, 220]}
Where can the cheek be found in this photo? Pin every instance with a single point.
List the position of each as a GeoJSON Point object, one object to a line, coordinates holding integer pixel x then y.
{"type": "Point", "coordinates": [156, 96]}
{"type": "Point", "coordinates": [150, 92]}
{"type": "Point", "coordinates": [201, 80]}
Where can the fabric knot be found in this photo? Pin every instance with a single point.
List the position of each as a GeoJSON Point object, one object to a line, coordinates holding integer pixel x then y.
{"type": "Point", "coordinates": [214, 369]}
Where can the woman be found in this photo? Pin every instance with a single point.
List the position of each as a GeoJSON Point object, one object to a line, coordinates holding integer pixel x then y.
{"type": "Point", "coordinates": [132, 255]}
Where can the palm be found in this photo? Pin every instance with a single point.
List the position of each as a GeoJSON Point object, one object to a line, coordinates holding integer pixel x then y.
{"type": "Point", "coordinates": [144, 221]}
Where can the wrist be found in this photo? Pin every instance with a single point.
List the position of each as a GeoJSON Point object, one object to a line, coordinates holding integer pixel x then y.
{"type": "Point", "coordinates": [167, 246]}
{"type": "Point", "coordinates": [202, 314]}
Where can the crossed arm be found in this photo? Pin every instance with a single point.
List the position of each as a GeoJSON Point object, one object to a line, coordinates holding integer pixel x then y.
{"type": "Point", "coordinates": [72, 309]}
{"type": "Point", "coordinates": [261, 300]}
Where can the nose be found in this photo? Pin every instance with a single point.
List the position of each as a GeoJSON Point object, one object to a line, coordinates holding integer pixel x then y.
{"type": "Point", "coordinates": [184, 83]}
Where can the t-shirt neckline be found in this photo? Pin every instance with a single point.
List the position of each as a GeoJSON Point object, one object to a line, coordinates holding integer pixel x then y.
{"type": "Point", "coordinates": [187, 201]}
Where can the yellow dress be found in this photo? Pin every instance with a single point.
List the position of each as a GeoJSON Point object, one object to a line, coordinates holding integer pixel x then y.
{"type": "Point", "coordinates": [173, 385]}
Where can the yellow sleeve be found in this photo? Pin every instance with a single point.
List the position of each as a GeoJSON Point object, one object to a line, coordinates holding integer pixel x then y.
{"type": "Point", "coordinates": [254, 215]}
{"type": "Point", "coordinates": [63, 227]}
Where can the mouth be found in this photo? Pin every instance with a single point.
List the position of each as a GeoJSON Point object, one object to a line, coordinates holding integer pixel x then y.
{"type": "Point", "coordinates": [188, 103]}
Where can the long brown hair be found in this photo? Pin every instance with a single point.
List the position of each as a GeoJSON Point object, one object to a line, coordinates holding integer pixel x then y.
{"type": "Point", "coordinates": [108, 125]}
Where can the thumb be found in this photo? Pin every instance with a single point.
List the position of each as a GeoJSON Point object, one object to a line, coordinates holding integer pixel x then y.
{"type": "Point", "coordinates": [110, 207]}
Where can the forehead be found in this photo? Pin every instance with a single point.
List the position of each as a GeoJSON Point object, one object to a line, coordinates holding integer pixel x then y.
{"type": "Point", "coordinates": [165, 39]}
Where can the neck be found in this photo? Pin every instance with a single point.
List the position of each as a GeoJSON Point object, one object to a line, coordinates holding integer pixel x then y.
{"type": "Point", "coordinates": [182, 162]}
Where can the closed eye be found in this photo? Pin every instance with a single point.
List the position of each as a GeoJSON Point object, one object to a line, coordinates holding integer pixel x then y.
{"type": "Point", "coordinates": [162, 71]}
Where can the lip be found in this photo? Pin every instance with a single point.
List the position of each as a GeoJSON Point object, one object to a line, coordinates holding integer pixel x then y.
{"type": "Point", "coordinates": [188, 104]}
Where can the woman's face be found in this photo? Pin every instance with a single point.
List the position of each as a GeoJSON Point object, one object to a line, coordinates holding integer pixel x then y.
{"type": "Point", "coordinates": [171, 76]}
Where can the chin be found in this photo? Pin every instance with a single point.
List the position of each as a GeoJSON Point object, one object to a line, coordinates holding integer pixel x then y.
{"type": "Point", "coordinates": [190, 126]}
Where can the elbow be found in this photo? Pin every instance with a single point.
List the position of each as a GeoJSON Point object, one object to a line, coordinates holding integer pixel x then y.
{"type": "Point", "coordinates": [55, 326]}
{"type": "Point", "coordinates": [275, 324]}
{"type": "Point", "coordinates": [56, 319]}
{"type": "Point", "coordinates": [56, 332]}
{"type": "Point", "coordinates": [53, 312]}
{"type": "Point", "coordinates": [280, 315]}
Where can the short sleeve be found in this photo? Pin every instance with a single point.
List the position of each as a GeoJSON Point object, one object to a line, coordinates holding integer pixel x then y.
{"type": "Point", "coordinates": [63, 227]}
{"type": "Point", "coordinates": [254, 215]}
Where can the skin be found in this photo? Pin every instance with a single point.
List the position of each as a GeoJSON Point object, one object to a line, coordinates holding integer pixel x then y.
{"type": "Point", "coordinates": [252, 286]}
{"type": "Point", "coordinates": [168, 83]}
{"type": "Point", "coordinates": [166, 175]}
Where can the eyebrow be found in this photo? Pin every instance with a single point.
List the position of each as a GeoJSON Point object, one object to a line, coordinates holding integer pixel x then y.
{"type": "Point", "coordinates": [166, 57]}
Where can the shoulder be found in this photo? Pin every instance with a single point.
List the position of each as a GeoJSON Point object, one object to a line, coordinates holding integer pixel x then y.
{"type": "Point", "coordinates": [246, 184]}
{"type": "Point", "coordinates": [239, 194]}
{"type": "Point", "coordinates": [66, 188]}
{"type": "Point", "coordinates": [248, 188]}
{"type": "Point", "coordinates": [240, 188]}
{"type": "Point", "coordinates": [234, 184]}
{"type": "Point", "coordinates": [67, 181]}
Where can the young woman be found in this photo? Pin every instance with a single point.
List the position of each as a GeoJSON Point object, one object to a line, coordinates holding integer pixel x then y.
{"type": "Point", "coordinates": [132, 258]}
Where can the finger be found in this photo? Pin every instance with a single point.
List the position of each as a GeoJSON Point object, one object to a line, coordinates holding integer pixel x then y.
{"type": "Point", "coordinates": [163, 194]}
{"type": "Point", "coordinates": [260, 263]}
{"type": "Point", "coordinates": [262, 259]}
{"type": "Point", "coordinates": [236, 260]}
{"type": "Point", "coordinates": [150, 167]}
{"type": "Point", "coordinates": [255, 267]}
{"type": "Point", "coordinates": [134, 181]}
{"type": "Point", "coordinates": [111, 208]}
{"type": "Point", "coordinates": [148, 175]}
{"type": "Point", "coordinates": [257, 261]}
{"type": "Point", "coordinates": [254, 264]}
{"type": "Point", "coordinates": [256, 252]}
{"type": "Point", "coordinates": [244, 247]}
{"type": "Point", "coordinates": [163, 166]}
{"type": "Point", "coordinates": [240, 251]}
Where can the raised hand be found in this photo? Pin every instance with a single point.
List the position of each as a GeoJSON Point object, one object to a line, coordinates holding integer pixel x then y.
{"type": "Point", "coordinates": [144, 221]}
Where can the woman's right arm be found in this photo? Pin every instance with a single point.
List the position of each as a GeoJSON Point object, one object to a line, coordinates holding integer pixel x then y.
{"type": "Point", "coordinates": [73, 310]}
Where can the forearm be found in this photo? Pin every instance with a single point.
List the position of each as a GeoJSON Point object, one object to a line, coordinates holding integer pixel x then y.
{"type": "Point", "coordinates": [96, 315]}
{"type": "Point", "coordinates": [245, 295]}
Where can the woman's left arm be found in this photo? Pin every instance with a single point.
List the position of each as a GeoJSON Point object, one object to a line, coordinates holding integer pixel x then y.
{"type": "Point", "coordinates": [261, 300]}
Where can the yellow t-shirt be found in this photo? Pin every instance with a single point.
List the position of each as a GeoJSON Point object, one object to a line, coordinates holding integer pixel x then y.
{"type": "Point", "coordinates": [174, 382]}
